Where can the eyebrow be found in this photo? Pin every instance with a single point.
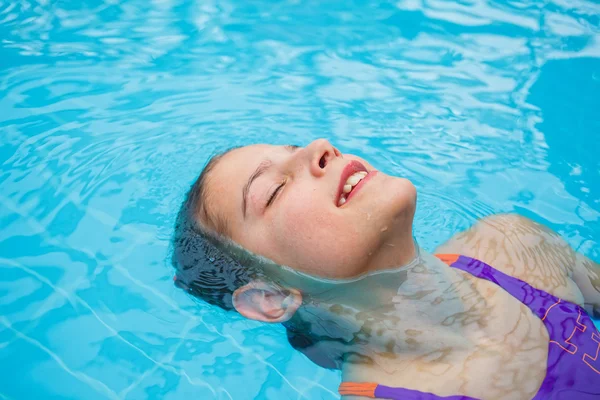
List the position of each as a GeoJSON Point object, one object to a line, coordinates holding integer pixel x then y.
{"type": "Point", "coordinates": [261, 169]}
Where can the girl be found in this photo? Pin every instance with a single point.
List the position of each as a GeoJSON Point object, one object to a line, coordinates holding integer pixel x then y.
{"type": "Point", "coordinates": [323, 243]}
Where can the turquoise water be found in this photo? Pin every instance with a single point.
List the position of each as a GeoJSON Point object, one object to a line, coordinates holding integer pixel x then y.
{"type": "Point", "coordinates": [108, 111]}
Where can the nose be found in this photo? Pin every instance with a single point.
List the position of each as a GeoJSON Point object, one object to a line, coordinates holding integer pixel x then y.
{"type": "Point", "coordinates": [321, 153]}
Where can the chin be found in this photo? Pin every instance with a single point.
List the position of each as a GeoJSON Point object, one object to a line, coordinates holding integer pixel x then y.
{"type": "Point", "coordinates": [410, 192]}
{"type": "Point", "coordinates": [390, 198]}
{"type": "Point", "coordinates": [402, 197]}
{"type": "Point", "coordinates": [402, 192]}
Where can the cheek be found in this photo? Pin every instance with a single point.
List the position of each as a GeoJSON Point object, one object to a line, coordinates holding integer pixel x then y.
{"type": "Point", "coordinates": [314, 237]}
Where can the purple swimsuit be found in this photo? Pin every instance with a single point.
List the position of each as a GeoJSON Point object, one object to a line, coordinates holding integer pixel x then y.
{"type": "Point", "coordinates": [573, 367]}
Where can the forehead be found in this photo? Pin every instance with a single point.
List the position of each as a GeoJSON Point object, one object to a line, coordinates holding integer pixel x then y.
{"type": "Point", "coordinates": [240, 163]}
{"type": "Point", "coordinates": [230, 174]}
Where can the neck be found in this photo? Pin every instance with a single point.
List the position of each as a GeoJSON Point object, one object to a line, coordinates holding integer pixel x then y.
{"type": "Point", "coordinates": [374, 314]}
{"type": "Point", "coordinates": [396, 249]}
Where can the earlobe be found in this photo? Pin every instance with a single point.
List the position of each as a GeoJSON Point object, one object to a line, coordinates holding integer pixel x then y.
{"type": "Point", "coordinates": [263, 302]}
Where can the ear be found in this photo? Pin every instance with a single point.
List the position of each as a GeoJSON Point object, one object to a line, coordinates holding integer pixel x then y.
{"type": "Point", "coordinates": [263, 302]}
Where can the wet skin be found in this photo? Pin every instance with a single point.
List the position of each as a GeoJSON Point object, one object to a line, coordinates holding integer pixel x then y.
{"type": "Point", "coordinates": [417, 324]}
{"type": "Point", "coordinates": [485, 344]}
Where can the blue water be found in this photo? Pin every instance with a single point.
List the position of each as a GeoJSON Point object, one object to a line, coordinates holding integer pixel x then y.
{"type": "Point", "coordinates": [108, 111]}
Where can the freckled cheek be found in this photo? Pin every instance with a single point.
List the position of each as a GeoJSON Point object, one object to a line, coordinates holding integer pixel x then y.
{"type": "Point", "coordinates": [316, 230]}
{"type": "Point", "coordinates": [301, 217]}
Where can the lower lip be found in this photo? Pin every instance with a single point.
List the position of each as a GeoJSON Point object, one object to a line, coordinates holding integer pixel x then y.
{"type": "Point", "coordinates": [360, 185]}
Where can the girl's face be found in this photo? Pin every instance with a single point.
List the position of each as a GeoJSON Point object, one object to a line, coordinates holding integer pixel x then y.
{"type": "Point", "coordinates": [286, 203]}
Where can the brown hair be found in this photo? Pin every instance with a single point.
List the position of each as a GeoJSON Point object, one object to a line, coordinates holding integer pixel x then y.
{"type": "Point", "coordinates": [198, 202]}
{"type": "Point", "coordinates": [203, 267]}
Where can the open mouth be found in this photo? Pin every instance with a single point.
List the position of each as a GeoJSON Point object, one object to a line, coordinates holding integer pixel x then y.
{"type": "Point", "coordinates": [352, 176]}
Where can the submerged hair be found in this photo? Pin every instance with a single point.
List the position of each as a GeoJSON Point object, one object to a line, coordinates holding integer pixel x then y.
{"type": "Point", "coordinates": [203, 266]}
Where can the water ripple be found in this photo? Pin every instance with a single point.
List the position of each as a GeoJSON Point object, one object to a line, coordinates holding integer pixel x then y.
{"type": "Point", "coordinates": [109, 110]}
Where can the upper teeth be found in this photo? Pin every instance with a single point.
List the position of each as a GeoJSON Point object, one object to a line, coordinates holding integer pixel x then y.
{"type": "Point", "coordinates": [350, 183]}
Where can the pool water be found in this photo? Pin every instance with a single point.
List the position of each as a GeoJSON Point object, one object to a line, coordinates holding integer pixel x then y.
{"type": "Point", "coordinates": [109, 110]}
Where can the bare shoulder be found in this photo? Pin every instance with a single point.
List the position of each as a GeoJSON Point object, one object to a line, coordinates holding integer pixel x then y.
{"type": "Point", "coordinates": [523, 248]}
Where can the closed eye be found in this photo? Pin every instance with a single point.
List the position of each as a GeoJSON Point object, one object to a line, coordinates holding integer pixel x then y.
{"type": "Point", "coordinates": [272, 198]}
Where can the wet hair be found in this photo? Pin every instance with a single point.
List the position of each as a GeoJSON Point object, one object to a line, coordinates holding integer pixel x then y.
{"type": "Point", "coordinates": [202, 254]}
{"type": "Point", "coordinates": [210, 266]}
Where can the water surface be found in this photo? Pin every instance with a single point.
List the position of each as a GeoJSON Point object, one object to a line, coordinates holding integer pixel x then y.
{"type": "Point", "coordinates": [109, 110]}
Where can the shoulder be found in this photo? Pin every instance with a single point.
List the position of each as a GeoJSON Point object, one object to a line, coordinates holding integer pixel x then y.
{"type": "Point", "coordinates": [501, 230]}
{"type": "Point", "coordinates": [523, 248]}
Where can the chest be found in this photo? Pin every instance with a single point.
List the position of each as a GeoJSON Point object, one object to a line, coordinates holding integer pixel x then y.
{"type": "Point", "coordinates": [493, 348]}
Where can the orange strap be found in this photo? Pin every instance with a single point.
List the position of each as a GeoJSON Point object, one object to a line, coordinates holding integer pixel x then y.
{"type": "Point", "coordinates": [448, 258]}
{"type": "Point", "coordinates": [358, 389]}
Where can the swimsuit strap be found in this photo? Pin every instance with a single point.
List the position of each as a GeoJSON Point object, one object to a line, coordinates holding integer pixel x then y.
{"type": "Point", "coordinates": [573, 363]}
{"type": "Point", "coordinates": [538, 301]}
{"type": "Point", "coordinates": [376, 391]}
{"type": "Point", "coordinates": [365, 389]}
